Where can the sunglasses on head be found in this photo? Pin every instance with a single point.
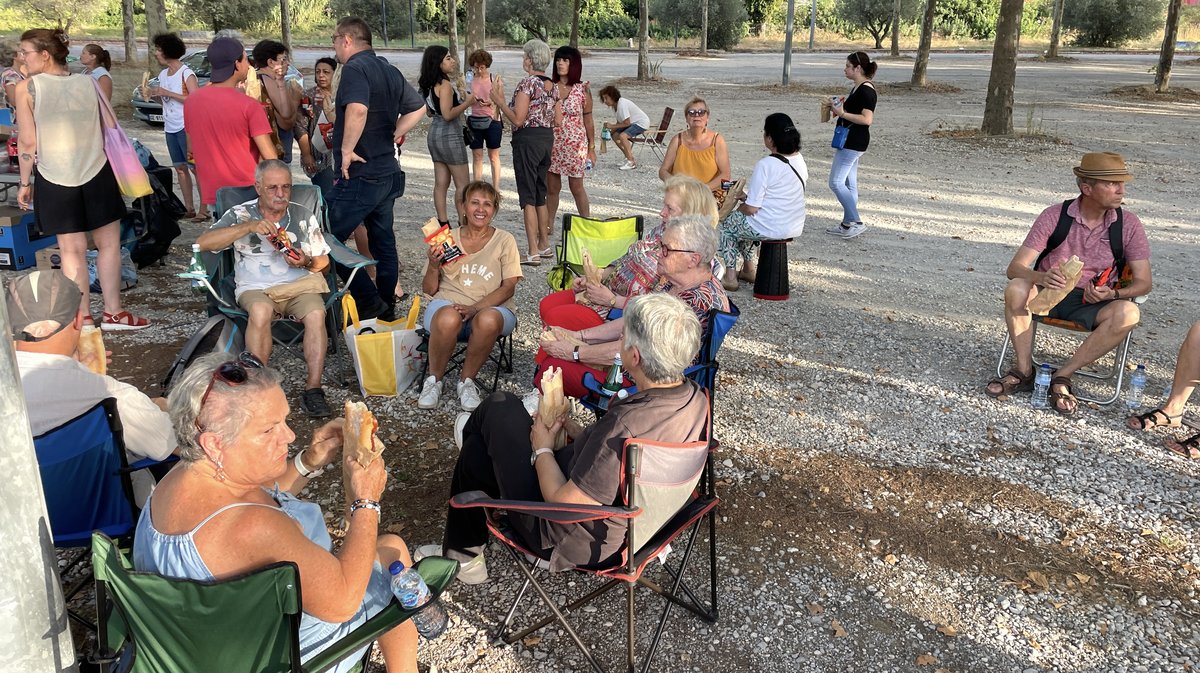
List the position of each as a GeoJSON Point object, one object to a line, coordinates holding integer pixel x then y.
{"type": "Point", "coordinates": [231, 373]}
{"type": "Point", "coordinates": [696, 112]}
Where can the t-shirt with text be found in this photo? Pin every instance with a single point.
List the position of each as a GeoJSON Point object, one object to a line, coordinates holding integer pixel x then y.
{"type": "Point", "coordinates": [474, 276]}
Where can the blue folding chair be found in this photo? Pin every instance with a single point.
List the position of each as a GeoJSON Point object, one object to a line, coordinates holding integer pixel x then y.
{"type": "Point", "coordinates": [87, 486]}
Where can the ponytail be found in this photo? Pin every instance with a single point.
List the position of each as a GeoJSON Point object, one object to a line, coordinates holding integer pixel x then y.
{"type": "Point", "coordinates": [103, 58]}
{"type": "Point", "coordinates": [863, 60]}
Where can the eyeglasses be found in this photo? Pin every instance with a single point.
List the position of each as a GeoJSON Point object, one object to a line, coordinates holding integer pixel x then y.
{"type": "Point", "coordinates": [668, 249]}
{"type": "Point", "coordinates": [697, 113]}
{"type": "Point", "coordinates": [231, 373]}
{"type": "Point", "coordinates": [337, 36]}
{"type": "Point", "coordinates": [26, 52]}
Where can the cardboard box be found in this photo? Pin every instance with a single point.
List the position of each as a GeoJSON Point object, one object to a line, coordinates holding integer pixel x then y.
{"type": "Point", "coordinates": [49, 258]}
{"type": "Point", "coordinates": [19, 240]}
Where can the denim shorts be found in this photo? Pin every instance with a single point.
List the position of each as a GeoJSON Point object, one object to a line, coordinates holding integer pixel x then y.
{"type": "Point", "coordinates": [510, 320]}
{"type": "Point", "coordinates": [177, 148]}
{"type": "Point", "coordinates": [632, 131]}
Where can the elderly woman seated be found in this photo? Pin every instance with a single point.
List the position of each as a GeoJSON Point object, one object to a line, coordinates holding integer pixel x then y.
{"type": "Point", "coordinates": [636, 272]}
{"type": "Point", "coordinates": [472, 296]}
{"type": "Point", "coordinates": [508, 455]}
{"type": "Point", "coordinates": [229, 507]}
{"type": "Point", "coordinates": [687, 247]}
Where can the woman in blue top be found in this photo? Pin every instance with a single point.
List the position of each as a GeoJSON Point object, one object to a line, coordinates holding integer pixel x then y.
{"type": "Point", "coordinates": [856, 113]}
{"type": "Point", "coordinates": [228, 507]}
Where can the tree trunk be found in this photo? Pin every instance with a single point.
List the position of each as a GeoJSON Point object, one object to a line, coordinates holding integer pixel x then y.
{"type": "Point", "coordinates": [922, 62]}
{"type": "Point", "coordinates": [452, 28]}
{"type": "Point", "coordinates": [1055, 29]}
{"type": "Point", "coordinates": [285, 24]}
{"type": "Point", "coordinates": [896, 30]}
{"type": "Point", "coordinates": [643, 72]}
{"type": "Point", "coordinates": [1162, 78]}
{"type": "Point", "coordinates": [128, 31]}
{"type": "Point", "coordinates": [156, 24]}
{"type": "Point", "coordinates": [703, 26]}
{"type": "Point", "coordinates": [476, 32]}
{"type": "Point", "coordinates": [575, 24]}
{"type": "Point", "coordinates": [998, 110]}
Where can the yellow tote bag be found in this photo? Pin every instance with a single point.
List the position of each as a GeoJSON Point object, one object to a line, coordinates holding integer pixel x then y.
{"type": "Point", "coordinates": [386, 356]}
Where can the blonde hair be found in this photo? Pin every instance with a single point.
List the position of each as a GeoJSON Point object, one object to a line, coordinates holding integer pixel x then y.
{"type": "Point", "coordinates": [695, 198]}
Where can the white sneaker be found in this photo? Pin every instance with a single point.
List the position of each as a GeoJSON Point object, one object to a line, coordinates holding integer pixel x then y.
{"type": "Point", "coordinates": [531, 402]}
{"type": "Point", "coordinates": [468, 395]}
{"type": "Point", "coordinates": [849, 230]}
{"type": "Point", "coordinates": [460, 422]}
{"type": "Point", "coordinates": [471, 572]}
{"type": "Point", "coordinates": [431, 394]}
{"type": "Point", "coordinates": [628, 166]}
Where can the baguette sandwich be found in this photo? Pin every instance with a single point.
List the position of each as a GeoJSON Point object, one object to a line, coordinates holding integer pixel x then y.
{"type": "Point", "coordinates": [358, 434]}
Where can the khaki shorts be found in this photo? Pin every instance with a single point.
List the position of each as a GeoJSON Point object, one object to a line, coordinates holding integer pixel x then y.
{"type": "Point", "coordinates": [297, 307]}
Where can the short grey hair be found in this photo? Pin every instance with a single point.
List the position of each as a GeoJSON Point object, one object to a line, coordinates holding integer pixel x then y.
{"type": "Point", "coordinates": [696, 234]}
{"type": "Point", "coordinates": [665, 331]}
{"type": "Point", "coordinates": [270, 165]}
{"type": "Point", "coordinates": [1080, 182]}
{"type": "Point", "coordinates": [227, 410]}
{"type": "Point", "coordinates": [538, 53]}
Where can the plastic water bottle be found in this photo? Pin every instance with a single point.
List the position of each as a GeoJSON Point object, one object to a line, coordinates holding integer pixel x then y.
{"type": "Point", "coordinates": [587, 168]}
{"type": "Point", "coordinates": [1137, 383]}
{"type": "Point", "coordinates": [409, 588]}
{"type": "Point", "coordinates": [1041, 386]}
{"type": "Point", "coordinates": [196, 271]}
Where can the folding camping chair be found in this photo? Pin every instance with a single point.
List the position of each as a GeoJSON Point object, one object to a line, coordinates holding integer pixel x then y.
{"type": "Point", "coordinates": [245, 623]}
{"type": "Point", "coordinates": [501, 356]}
{"type": "Point", "coordinates": [656, 137]}
{"type": "Point", "coordinates": [87, 486]}
{"type": "Point", "coordinates": [667, 489]}
{"type": "Point", "coordinates": [606, 241]}
{"type": "Point", "coordinates": [1114, 374]}
{"type": "Point", "coordinates": [285, 332]}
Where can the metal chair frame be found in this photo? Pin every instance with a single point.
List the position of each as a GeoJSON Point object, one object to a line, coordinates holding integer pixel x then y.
{"type": "Point", "coordinates": [655, 137]}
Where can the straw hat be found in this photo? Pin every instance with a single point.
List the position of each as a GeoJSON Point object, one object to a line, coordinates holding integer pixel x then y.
{"type": "Point", "coordinates": [1103, 166]}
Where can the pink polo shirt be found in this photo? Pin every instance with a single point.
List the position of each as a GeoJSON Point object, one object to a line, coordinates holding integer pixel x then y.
{"type": "Point", "coordinates": [1090, 245]}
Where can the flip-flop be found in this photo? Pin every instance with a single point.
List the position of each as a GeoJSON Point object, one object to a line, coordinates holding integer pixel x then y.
{"type": "Point", "coordinates": [1150, 420]}
{"type": "Point", "coordinates": [1188, 448]}
{"type": "Point", "coordinates": [532, 260]}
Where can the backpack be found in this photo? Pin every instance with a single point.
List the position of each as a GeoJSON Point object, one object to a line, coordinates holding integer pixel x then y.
{"type": "Point", "coordinates": [1115, 241]}
{"type": "Point", "coordinates": [155, 218]}
{"type": "Point", "coordinates": [219, 334]}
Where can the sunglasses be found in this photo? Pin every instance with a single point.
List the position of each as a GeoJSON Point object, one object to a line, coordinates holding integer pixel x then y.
{"type": "Point", "coordinates": [697, 113]}
{"type": "Point", "coordinates": [231, 373]}
{"type": "Point", "coordinates": [668, 249]}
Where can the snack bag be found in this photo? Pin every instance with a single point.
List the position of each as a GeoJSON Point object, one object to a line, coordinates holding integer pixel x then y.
{"type": "Point", "coordinates": [437, 233]}
{"type": "Point", "coordinates": [91, 350]}
{"type": "Point", "coordinates": [253, 86]}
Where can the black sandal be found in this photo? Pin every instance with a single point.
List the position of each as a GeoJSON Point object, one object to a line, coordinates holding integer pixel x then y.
{"type": "Point", "coordinates": [1068, 396]}
{"type": "Point", "coordinates": [1188, 448]}
{"type": "Point", "coordinates": [1024, 383]}
{"type": "Point", "coordinates": [1149, 420]}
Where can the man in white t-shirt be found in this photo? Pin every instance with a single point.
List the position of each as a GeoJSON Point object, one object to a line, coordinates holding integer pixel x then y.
{"type": "Point", "coordinates": [631, 122]}
{"type": "Point", "coordinates": [175, 83]}
{"type": "Point", "coordinates": [277, 278]}
{"type": "Point", "coordinates": [46, 312]}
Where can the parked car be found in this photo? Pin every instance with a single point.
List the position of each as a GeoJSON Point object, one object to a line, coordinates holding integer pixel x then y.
{"type": "Point", "coordinates": [150, 111]}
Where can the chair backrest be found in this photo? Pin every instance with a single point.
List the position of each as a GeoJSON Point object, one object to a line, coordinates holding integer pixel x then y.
{"type": "Point", "coordinates": [668, 115]}
{"type": "Point", "coordinates": [720, 322]}
{"type": "Point", "coordinates": [665, 476]}
{"type": "Point", "coordinates": [85, 478]}
{"type": "Point", "coordinates": [606, 240]}
{"type": "Point", "coordinates": [248, 622]}
{"type": "Point", "coordinates": [308, 196]}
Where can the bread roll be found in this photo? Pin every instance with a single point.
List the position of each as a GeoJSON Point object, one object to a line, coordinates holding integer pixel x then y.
{"type": "Point", "coordinates": [553, 403]}
{"type": "Point", "coordinates": [253, 85]}
{"type": "Point", "coordinates": [91, 350]}
{"type": "Point", "coordinates": [1048, 298]}
{"type": "Point", "coordinates": [358, 434]}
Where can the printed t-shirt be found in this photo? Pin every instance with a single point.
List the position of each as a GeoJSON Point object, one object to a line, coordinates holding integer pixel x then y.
{"type": "Point", "coordinates": [173, 109]}
{"type": "Point", "coordinates": [1090, 245]}
{"type": "Point", "coordinates": [473, 276]}
{"type": "Point", "coordinates": [779, 196]}
{"type": "Point", "coordinates": [258, 265]}
{"type": "Point", "coordinates": [222, 123]}
{"type": "Point", "coordinates": [368, 79]}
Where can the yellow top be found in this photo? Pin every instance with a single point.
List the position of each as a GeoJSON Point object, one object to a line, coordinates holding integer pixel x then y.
{"type": "Point", "coordinates": [701, 165]}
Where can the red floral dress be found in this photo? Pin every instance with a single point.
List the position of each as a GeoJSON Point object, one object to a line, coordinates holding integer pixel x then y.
{"type": "Point", "coordinates": [570, 138]}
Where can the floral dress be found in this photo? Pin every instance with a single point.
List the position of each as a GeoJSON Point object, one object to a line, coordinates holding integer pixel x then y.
{"type": "Point", "coordinates": [570, 138]}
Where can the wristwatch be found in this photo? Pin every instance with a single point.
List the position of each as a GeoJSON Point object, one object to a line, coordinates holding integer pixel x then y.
{"type": "Point", "coordinates": [575, 354]}
{"type": "Point", "coordinates": [612, 303]}
{"type": "Point", "coordinates": [537, 452]}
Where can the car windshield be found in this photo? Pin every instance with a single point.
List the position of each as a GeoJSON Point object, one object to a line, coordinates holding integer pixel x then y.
{"type": "Point", "coordinates": [198, 62]}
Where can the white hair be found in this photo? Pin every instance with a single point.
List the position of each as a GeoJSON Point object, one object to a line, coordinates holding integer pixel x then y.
{"type": "Point", "coordinates": [270, 165]}
{"type": "Point", "coordinates": [665, 331]}
{"type": "Point", "coordinates": [697, 234]}
{"type": "Point", "coordinates": [538, 53]}
{"type": "Point", "coordinates": [227, 409]}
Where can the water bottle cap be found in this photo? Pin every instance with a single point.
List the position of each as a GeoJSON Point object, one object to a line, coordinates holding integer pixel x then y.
{"type": "Point", "coordinates": [1045, 365]}
{"type": "Point", "coordinates": [396, 568]}
{"type": "Point", "coordinates": [1141, 366]}
{"type": "Point", "coordinates": [195, 247]}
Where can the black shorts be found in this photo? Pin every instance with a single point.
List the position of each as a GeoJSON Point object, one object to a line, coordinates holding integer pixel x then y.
{"type": "Point", "coordinates": [491, 136]}
{"type": "Point", "coordinates": [1072, 308]}
{"type": "Point", "coordinates": [531, 161]}
{"type": "Point", "coordinates": [75, 210]}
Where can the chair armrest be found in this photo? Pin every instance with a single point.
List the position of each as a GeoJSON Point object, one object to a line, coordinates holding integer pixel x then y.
{"type": "Point", "coordinates": [345, 256]}
{"type": "Point", "coordinates": [437, 572]}
{"type": "Point", "coordinates": [150, 462]}
{"type": "Point", "coordinates": [554, 512]}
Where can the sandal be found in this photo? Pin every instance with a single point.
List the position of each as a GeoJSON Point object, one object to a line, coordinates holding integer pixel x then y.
{"type": "Point", "coordinates": [200, 217]}
{"type": "Point", "coordinates": [1069, 403]}
{"type": "Point", "coordinates": [123, 321]}
{"type": "Point", "coordinates": [1024, 382]}
{"type": "Point", "coordinates": [547, 253]}
{"type": "Point", "coordinates": [532, 260]}
{"type": "Point", "coordinates": [1150, 420]}
{"type": "Point", "coordinates": [1188, 448]}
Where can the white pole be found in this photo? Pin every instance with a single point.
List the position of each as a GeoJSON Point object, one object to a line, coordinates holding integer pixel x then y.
{"type": "Point", "coordinates": [33, 620]}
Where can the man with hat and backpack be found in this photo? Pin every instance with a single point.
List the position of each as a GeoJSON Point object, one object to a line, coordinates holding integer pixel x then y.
{"type": "Point", "coordinates": [1112, 245]}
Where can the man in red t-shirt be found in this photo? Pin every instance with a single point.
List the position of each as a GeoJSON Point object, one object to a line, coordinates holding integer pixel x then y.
{"type": "Point", "coordinates": [228, 132]}
{"type": "Point", "coordinates": [1097, 301]}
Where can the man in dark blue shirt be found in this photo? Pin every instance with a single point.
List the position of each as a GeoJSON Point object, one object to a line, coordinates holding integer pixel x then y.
{"type": "Point", "coordinates": [375, 107]}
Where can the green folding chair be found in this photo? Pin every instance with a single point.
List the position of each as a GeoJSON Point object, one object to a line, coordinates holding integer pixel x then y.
{"type": "Point", "coordinates": [153, 624]}
{"type": "Point", "coordinates": [606, 241]}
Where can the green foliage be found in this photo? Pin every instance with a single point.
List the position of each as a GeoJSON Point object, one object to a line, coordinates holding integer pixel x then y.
{"type": "Point", "coordinates": [371, 11]}
{"type": "Point", "coordinates": [65, 14]}
{"type": "Point", "coordinates": [726, 20]}
{"type": "Point", "coordinates": [606, 19]}
{"type": "Point", "coordinates": [1111, 23]}
{"type": "Point", "coordinates": [760, 13]}
{"type": "Point", "coordinates": [310, 16]}
{"type": "Point", "coordinates": [975, 19]}
{"type": "Point", "coordinates": [875, 16]}
{"type": "Point", "coordinates": [220, 14]}
{"type": "Point", "coordinates": [541, 19]}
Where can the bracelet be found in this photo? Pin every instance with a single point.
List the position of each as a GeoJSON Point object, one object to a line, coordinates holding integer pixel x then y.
{"type": "Point", "coordinates": [1117, 292]}
{"type": "Point", "coordinates": [303, 469]}
{"type": "Point", "coordinates": [364, 503]}
{"type": "Point", "coordinates": [537, 452]}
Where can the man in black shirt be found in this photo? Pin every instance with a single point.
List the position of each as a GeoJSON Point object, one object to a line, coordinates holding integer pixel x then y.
{"type": "Point", "coordinates": [375, 107]}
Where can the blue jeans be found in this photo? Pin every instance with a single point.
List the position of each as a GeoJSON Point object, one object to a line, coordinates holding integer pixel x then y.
{"type": "Point", "coordinates": [369, 201]}
{"type": "Point", "coordinates": [324, 180]}
{"type": "Point", "coordinates": [843, 180]}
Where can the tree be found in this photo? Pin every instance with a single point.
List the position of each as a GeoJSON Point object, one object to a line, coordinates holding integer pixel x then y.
{"type": "Point", "coordinates": [285, 24]}
{"type": "Point", "coordinates": [1162, 76]}
{"type": "Point", "coordinates": [65, 14]}
{"type": "Point", "coordinates": [538, 17]}
{"type": "Point", "coordinates": [1111, 23]}
{"type": "Point", "coordinates": [127, 30]}
{"type": "Point", "coordinates": [703, 26]}
{"type": "Point", "coordinates": [156, 24]}
{"type": "Point", "coordinates": [643, 72]}
{"type": "Point", "coordinates": [896, 30]}
{"type": "Point", "coordinates": [1055, 29]}
{"type": "Point", "coordinates": [452, 29]}
{"type": "Point", "coordinates": [872, 16]}
{"type": "Point", "coordinates": [997, 111]}
{"type": "Point", "coordinates": [575, 24]}
{"type": "Point", "coordinates": [476, 33]}
{"type": "Point", "coordinates": [921, 64]}
{"type": "Point", "coordinates": [221, 14]}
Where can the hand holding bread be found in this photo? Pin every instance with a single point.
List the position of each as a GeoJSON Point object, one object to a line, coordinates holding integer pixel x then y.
{"type": "Point", "coordinates": [358, 434]}
{"type": "Point", "coordinates": [1048, 297]}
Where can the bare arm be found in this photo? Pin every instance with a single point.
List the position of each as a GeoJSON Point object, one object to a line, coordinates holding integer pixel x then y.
{"type": "Point", "coordinates": [1021, 266]}
{"type": "Point", "coordinates": [354, 118]}
{"type": "Point", "coordinates": [266, 148]}
{"type": "Point", "coordinates": [221, 238]}
{"type": "Point", "coordinates": [26, 142]}
{"type": "Point", "coordinates": [407, 122]}
{"type": "Point", "coordinates": [553, 483]}
{"type": "Point", "coordinates": [445, 94]}
{"type": "Point", "coordinates": [498, 296]}
{"type": "Point", "coordinates": [664, 171]}
{"type": "Point", "coordinates": [721, 154]}
{"type": "Point", "coordinates": [283, 99]}
{"type": "Point", "coordinates": [588, 124]}
{"type": "Point", "coordinates": [106, 86]}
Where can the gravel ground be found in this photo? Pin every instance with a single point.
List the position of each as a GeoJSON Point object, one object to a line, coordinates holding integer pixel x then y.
{"type": "Point", "coordinates": [879, 512]}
